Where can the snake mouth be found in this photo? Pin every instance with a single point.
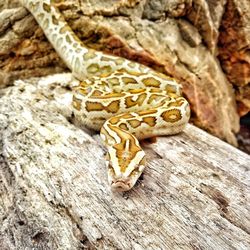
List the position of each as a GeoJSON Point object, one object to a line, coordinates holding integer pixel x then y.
{"type": "Point", "coordinates": [120, 186]}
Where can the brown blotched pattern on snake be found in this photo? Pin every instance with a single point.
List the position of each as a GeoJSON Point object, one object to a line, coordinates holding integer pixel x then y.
{"type": "Point", "coordinates": [125, 100]}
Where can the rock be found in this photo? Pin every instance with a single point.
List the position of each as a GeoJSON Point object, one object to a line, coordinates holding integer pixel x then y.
{"type": "Point", "coordinates": [178, 38]}
{"type": "Point", "coordinates": [234, 47]}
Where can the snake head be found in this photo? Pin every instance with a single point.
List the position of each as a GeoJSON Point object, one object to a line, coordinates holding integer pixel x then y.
{"type": "Point", "coordinates": [125, 165]}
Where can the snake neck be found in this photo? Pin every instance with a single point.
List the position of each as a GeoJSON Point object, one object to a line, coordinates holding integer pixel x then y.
{"type": "Point", "coordinates": [82, 61]}
{"type": "Point", "coordinates": [56, 30]}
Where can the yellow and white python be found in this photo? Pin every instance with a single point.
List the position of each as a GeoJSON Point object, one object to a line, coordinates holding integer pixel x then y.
{"type": "Point", "coordinates": [125, 100]}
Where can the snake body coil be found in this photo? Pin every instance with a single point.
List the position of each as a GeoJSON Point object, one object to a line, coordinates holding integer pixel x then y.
{"type": "Point", "coordinates": [125, 100]}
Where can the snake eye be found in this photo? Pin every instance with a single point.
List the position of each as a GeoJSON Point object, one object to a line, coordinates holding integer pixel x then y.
{"type": "Point", "coordinates": [107, 160]}
{"type": "Point", "coordinates": [137, 170]}
{"type": "Point", "coordinates": [134, 172]}
{"type": "Point", "coordinates": [111, 169]}
{"type": "Point", "coordinates": [107, 157]}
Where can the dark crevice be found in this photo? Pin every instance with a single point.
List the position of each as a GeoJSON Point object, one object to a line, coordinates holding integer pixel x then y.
{"type": "Point", "coordinates": [224, 204]}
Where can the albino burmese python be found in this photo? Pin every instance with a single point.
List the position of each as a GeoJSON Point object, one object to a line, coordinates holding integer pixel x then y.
{"type": "Point", "coordinates": [125, 100]}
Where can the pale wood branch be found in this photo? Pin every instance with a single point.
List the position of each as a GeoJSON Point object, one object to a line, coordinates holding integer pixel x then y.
{"type": "Point", "coordinates": [194, 194]}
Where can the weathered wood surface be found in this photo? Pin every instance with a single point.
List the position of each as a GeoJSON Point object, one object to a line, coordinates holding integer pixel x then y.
{"type": "Point", "coordinates": [194, 193]}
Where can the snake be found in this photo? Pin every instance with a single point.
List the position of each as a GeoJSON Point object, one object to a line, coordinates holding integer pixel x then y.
{"type": "Point", "coordinates": [125, 100]}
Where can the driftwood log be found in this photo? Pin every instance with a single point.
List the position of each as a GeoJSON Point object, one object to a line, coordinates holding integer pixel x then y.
{"type": "Point", "coordinates": [182, 38]}
{"type": "Point", "coordinates": [194, 194]}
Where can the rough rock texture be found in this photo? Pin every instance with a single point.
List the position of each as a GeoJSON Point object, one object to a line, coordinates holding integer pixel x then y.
{"type": "Point", "coordinates": [21, 57]}
{"type": "Point", "coordinates": [234, 50]}
{"type": "Point", "coordinates": [54, 193]}
{"type": "Point", "coordinates": [177, 37]}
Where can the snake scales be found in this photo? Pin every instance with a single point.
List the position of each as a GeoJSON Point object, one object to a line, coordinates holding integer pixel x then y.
{"type": "Point", "coordinates": [125, 100]}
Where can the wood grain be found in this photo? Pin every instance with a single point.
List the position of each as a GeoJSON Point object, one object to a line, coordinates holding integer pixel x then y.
{"type": "Point", "coordinates": [54, 194]}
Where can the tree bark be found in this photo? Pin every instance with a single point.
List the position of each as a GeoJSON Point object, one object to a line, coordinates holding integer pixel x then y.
{"type": "Point", "coordinates": [194, 193]}
{"type": "Point", "coordinates": [181, 38]}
